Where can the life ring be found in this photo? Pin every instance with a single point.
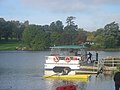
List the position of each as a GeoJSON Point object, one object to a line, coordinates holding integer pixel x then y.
{"type": "Point", "coordinates": [56, 59]}
{"type": "Point", "coordinates": [67, 59]}
{"type": "Point", "coordinates": [75, 58]}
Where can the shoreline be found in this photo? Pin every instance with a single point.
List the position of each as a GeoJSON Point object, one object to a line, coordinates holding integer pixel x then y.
{"type": "Point", "coordinates": [16, 45]}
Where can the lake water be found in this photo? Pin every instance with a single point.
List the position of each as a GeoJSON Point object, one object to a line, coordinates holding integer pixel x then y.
{"type": "Point", "coordinates": [23, 70]}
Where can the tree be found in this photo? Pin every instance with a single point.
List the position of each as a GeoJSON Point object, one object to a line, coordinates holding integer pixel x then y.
{"type": "Point", "coordinates": [54, 38]}
{"type": "Point", "coordinates": [81, 36]}
{"type": "Point", "coordinates": [90, 36]}
{"type": "Point", "coordinates": [7, 30]}
{"type": "Point", "coordinates": [110, 42]}
{"type": "Point", "coordinates": [2, 24]}
{"type": "Point", "coordinates": [99, 31]}
{"type": "Point", "coordinates": [99, 41]}
{"type": "Point", "coordinates": [111, 29]}
{"type": "Point", "coordinates": [17, 29]}
{"type": "Point", "coordinates": [70, 21]}
{"type": "Point", "coordinates": [56, 29]}
{"type": "Point", "coordinates": [46, 28]}
{"type": "Point", "coordinates": [11, 29]}
{"type": "Point", "coordinates": [40, 41]}
{"type": "Point", "coordinates": [112, 32]}
{"type": "Point", "coordinates": [70, 24]}
{"type": "Point", "coordinates": [71, 30]}
{"type": "Point", "coordinates": [59, 26]}
{"type": "Point", "coordinates": [65, 39]}
{"type": "Point", "coordinates": [35, 38]}
{"type": "Point", "coordinates": [52, 27]}
{"type": "Point", "coordinates": [56, 26]}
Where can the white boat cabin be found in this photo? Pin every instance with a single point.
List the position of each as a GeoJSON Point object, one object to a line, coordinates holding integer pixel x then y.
{"type": "Point", "coordinates": [65, 59]}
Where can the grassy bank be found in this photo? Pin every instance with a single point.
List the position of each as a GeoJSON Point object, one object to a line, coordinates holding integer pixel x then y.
{"type": "Point", "coordinates": [9, 45]}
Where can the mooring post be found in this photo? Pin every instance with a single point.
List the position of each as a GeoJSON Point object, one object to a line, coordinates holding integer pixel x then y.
{"type": "Point", "coordinates": [96, 56]}
{"type": "Point", "coordinates": [113, 62]}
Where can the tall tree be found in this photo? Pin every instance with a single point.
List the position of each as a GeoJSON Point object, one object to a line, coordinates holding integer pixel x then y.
{"type": "Point", "coordinates": [59, 26]}
{"type": "Point", "coordinates": [56, 26]}
{"type": "Point", "coordinates": [56, 29]}
{"type": "Point", "coordinates": [110, 42]}
{"type": "Point", "coordinates": [35, 37]}
{"type": "Point", "coordinates": [112, 32]}
{"type": "Point", "coordinates": [81, 36]}
{"type": "Point", "coordinates": [99, 41]}
{"type": "Point", "coordinates": [71, 29]}
{"type": "Point", "coordinates": [55, 36]}
{"type": "Point", "coordinates": [52, 27]}
{"type": "Point", "coordinates": [2, 24]}
{"type": "Point", "coordinates": [70, 20]}
{"type": "Point", "coordinates": [7, 31]}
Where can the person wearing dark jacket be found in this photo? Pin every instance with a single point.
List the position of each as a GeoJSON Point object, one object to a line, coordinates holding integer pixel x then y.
{"type": "Point", "coordinates": [117, 80]}
{"type": "Point", "coordinates": [89, 57]}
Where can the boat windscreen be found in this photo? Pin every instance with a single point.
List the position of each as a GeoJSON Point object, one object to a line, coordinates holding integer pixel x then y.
{"type": "Point", "coordinates": [67, 52]}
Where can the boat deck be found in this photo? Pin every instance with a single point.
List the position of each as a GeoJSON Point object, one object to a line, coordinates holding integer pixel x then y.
{"type": "Point", "coordinates": [87, 68]}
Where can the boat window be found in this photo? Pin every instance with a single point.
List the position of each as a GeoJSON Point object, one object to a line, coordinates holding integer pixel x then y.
{"type": "Point", "coordinates": [67, 52]}
{"type": "Point", "coordinates": [55, 52]}
{"type": "Point", "coordinates": [79, 53]}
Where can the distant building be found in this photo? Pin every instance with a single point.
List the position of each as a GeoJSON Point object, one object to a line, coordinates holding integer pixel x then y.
{"type": "Point", "coordinates": [89, 42]}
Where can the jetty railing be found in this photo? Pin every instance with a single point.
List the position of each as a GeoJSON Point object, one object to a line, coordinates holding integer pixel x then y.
{"type": "Point", "coordinates": [112, 62]}
{"type": "Point", "coordinates": [99, 64]}
{"type": "Point", "coordinates": [107, 64]}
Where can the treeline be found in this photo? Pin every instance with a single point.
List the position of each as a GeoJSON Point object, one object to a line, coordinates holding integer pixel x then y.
{"type": "Point", "coordinates": [11, 29]}
{"type": "Point", "coordinates": [41, 37]}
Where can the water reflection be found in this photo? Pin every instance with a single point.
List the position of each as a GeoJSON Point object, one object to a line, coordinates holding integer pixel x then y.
{"type": "Point", "coordinates": [102, 82]}
{"type": "Point", "coordinates": [24, 70]}
{"type": "Point", "coordinates": [52, 84]}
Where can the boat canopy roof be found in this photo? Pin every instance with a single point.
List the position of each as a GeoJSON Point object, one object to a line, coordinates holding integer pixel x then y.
{"type": "Point", "coordinates": [68, 50]}
{"type": "Point", "coordinates": [69, 47]}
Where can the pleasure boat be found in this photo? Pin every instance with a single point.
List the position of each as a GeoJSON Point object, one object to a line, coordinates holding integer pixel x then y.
{"type": "Point", "coordinates": [65, 60]}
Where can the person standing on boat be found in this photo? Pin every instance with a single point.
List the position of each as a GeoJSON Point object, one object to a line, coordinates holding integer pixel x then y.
{"type": "Point", "coordinates": [117, 79]}
{"type": "Point", "coordinates": [89, 57]}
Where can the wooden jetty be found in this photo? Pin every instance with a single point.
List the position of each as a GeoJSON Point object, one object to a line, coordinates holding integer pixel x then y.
{"type": "Point", "coordinates": [87, 68]}
{"type": "Point", "coordinates": [107, 65]}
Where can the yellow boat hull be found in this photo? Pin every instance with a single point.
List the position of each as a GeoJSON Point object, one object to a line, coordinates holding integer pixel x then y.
{"type": "Point", "coordinates": [84, 76]}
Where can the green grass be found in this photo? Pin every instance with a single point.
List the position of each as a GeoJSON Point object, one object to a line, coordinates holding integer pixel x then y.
{"type": "Point", "coordinates": [9, 45]}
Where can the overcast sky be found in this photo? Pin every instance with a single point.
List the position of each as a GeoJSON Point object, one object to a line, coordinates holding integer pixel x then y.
{"type": "Point", "coordinates": [90, 14]}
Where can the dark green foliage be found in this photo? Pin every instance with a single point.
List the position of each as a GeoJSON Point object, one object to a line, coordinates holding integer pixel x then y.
{"type": "Point", "coordinates": [37, 37]}
{"type": "Point", "coordinates": [109, 36]}
{"type": "Point", "coordinates": [70, 31]}
{"type": "Point", "coordinates": [11, 29]}
{"type": "Point", "coordinates": [109, 42]}
{"type": "Point", "coordinates": [81, 36]}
